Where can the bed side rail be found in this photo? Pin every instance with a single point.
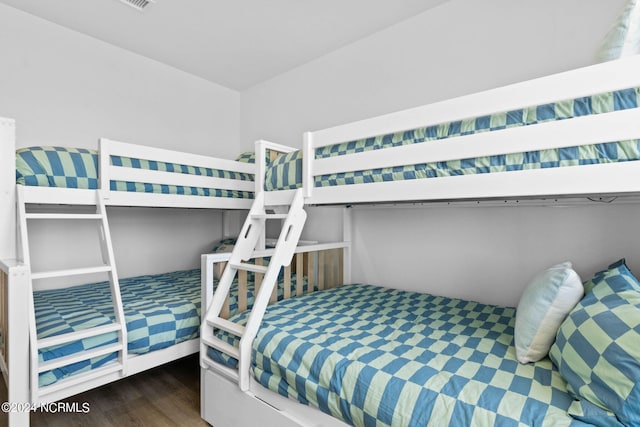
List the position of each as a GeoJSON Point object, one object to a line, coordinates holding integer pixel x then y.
{"type": "Point", "coordinates": [620, 125]}
{"type": "Point", "coordinates": [315, 266]}
{"type": "Point", "coordinates": [109, 172]}
{"type": "Point", "coordinates": [14, 326]}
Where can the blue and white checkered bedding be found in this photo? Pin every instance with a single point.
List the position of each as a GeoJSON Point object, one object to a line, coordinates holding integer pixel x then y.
{"type": "Point", "coordinates": [285, 172]}
{"type": "Point", "coordinates": [78, 168]}
{"type": "Point", "coordinates": [378, 357]}
{"type": "Point", "coordinates": [160, 310]}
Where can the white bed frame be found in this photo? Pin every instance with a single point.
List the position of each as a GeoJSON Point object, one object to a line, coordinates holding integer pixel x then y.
{"type": "Point", "coordinates": [15, 275]}
{"type": "Point", "coordinates": [224, 404]}
{"type": "Point", "coordinates": [602, 179]}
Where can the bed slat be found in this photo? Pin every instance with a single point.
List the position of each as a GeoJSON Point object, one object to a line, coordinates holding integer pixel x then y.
{"type": "Point", "coordinates": [299, 274]}
{"type": "Point", "coordinates": [287, 280]}
{"type": "Point", "coordinates": [242, 290]}
{"type": "Point", "coordinates": [321, 266]}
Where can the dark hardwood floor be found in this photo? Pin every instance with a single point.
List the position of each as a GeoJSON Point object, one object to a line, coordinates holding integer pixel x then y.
{"type": "Point", "coordinates": [161, 397]}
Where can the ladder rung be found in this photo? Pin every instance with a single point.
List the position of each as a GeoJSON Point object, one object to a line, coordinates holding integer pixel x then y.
{"type": "Point", "coordinates": [227, 326]}
{"type": "Point", "coordinates": [227, 371]}
{"type": "Point", "coordinates": [70, 272]}
{"type": "Point", "coordinates": [222, 346]}
{"type": "Point", "coordinates": [269, 216]}
{"type": "Point", "coordinates": [250, 267]}
{"type": "Point", "coordinates": [77, 335]}
{"type": "Point", "coordinates": [73, 380]}
{"type": "Point", "coordinates": [62, 216]}
{"type": "Point", "coordinates": [79, 357]}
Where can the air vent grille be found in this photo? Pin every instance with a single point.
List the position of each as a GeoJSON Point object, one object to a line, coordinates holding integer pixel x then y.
{"type": "Point", "coordinates": [138, 4]}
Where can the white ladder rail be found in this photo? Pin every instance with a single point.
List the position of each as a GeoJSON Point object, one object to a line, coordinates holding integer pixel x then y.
{"type": "Point", "coordinates": [25, 257]}
{"type": "Point", "coordinates": [108, 258]}
{"type": "Point", "coordinates": [251, 234]}
{"type": "Point", "coordinates": [287, 242]}
{"type": "Point", "coordinates": [119, 324]}
{"type": "Point", "coordinates": [242, 250]}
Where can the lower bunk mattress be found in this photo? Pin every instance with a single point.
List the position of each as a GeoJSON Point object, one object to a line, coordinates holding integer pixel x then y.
{"type": "Point", "coordinates": [378, 357]}
{"type": "Point", "coordinates": [161, 310]}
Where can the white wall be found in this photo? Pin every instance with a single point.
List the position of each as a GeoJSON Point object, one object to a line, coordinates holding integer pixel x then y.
{"type": "Point", "coordinates": [65, 88]}
{"type": "Point", "coordinates": [460, 47]}
{"type": "Point", "coordinates": [489, 253]}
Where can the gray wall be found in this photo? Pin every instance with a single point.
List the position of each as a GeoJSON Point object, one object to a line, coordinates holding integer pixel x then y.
{"type": "Point", "coordinates": [64, 88]}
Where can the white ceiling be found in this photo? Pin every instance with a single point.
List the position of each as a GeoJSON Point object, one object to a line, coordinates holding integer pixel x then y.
{"type": "Point", "coordinates": [235, 43]}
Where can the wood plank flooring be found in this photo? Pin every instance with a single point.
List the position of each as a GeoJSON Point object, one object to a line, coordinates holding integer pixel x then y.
{"type": "Point", "coordinates": [166, 396]}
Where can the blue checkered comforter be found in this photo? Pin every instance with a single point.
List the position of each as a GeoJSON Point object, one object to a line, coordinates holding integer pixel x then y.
{"type": "Point", "coordinates": [285, 172]}
{"type": "Point", "coordinates": [377, 357]}
{"type": "Point", "coordinates": [160, 310]}
{"type": "Point", "coordinates": [78, 168]}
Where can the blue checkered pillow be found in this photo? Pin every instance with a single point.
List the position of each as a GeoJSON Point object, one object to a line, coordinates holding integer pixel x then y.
{"type": "Point", "coordinates": [57, 167]}
{"type": "Point", "coordinates": [250, 157]}
{"type": "Point", "coordinates": [224, 245]}
{"type": "Point", "coordinates": [587, 412]}
{"type": "Point", "coordinates": [618, 267]}
{"type": "Point", "coordinates": [597, 349]}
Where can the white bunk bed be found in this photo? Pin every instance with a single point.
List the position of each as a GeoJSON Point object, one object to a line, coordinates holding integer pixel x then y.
{"type": "Point", "coordinates": [327, 171]}
{"type": "Point", "coordinates": [232, 188]}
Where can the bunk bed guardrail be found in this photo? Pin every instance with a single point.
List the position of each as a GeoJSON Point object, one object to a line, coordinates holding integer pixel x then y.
{"type": "Point", "coordinates": [125, 183]}
{"type": "Point", "coordinates": [580, 130]}
{"type": "Point", "coordinates": [124, 172]}
{"type": "Point", "coordinates": [314, 267]}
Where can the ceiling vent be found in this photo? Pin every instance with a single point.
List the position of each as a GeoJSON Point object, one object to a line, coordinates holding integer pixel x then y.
{"type": "Point", "coordinates": [138, 4]}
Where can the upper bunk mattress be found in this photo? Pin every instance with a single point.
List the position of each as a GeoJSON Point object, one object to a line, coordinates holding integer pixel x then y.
{"type": "Point", "coordinates": [374, 356]}
{"type": "Point", "coordinates": [286, 171]}
{"type": "Point", "coordinates": [78, 168]}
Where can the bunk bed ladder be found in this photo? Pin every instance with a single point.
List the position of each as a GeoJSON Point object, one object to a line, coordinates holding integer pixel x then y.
{"type": "Point", "coordinates": [118, 326]}
{"type": "Point", "coordinates": [250, 237]}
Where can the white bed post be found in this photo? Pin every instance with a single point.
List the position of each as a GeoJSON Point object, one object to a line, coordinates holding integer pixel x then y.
{"type": "Point", "coordinates": [226, 224]}
{"type": "Point", "coordinates": [308, 155]}
{"type": "Point", "coordinates": [261, 171]}
{"type": "Point", "coordinates": [7, 189]}
{"type": "Point", "coordinates": [103, 171]}
{"type": "Point", "coordinates": [347, 237]}
{"type": "Point", "coordinates": [261, 164]}
{"type": "Point", "coordinates": [17, 341]}
{"type": "Point", "coordinates": [17, 283]}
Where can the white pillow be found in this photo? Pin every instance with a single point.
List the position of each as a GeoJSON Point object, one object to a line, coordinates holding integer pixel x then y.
{"type": "Point", "coordinates": [544, 305]}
